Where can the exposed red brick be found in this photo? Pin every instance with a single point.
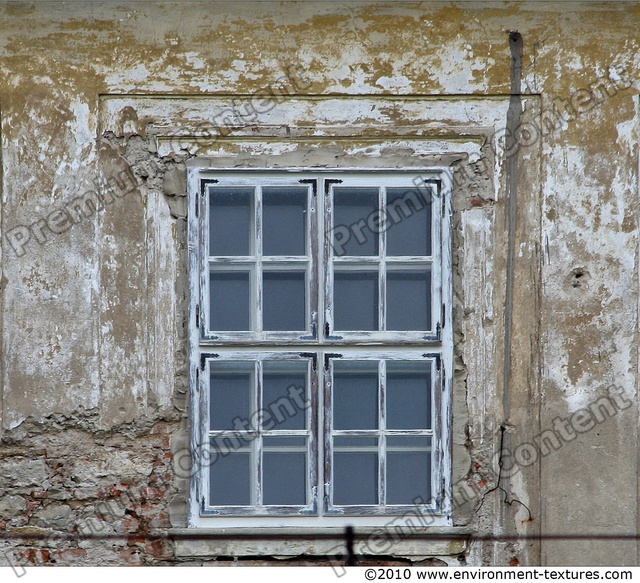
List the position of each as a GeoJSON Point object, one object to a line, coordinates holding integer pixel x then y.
{"type": "Point", "coordinates": [45, 555]}
{"type": "Point", "coordinates": [117, 490]}
{"type": "Point", "coordinates": [155, 548]}
{"type": "Point", "coordinates": [477, 201]}
{"type": "Point", "coordinates": [135, 540]}
{"type": "Point", "coordinates": [130, 556]}
{"type": "Point", "coordinates": [131, 525]}
{"type": "Point", "coordinates": [150, 493]}
{"type": "Point", "coordinates": [28, 555]}
{"type": "Point", "coordinates": [65, 555]}
{"type": "Point", "coordinates": [160, 521]}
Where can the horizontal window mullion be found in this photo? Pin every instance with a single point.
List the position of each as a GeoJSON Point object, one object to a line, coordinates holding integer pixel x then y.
{"type": "Point", "coordinates": [409, 260]}
{"type": "Point", "coordinates": [399, 449]}
{"type": "Point", "coordinates": [409, 432]}
{"type": "Point", "coordinates": [299, 259]}
{"type": "Point", "coordinates": [241, 433]}
{"type": "Point", "coordinates": [285, 433]}
{"type": "Point", "coordinates": [378, 432]}
{"type": "Point", "coordinates": [264, 433]}
{"type": "Point", "coordinates": [357, 433]}
{"type": "Point", "coordinates": [355, 449]}
{"type": "Point", "coordinates": [232, 259]}
{"type": "Point", "coordinates": [357, 260]}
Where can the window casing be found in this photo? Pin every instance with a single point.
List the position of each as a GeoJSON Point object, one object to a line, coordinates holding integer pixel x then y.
{"type": "Point", "coordinates": [321, 352]}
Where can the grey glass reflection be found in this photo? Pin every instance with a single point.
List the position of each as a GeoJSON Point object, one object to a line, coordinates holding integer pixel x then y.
{"type": "Point", "coordinates": [231, 393]}
{"type": "Point", "coordinates": [355, 300]}
{"type": "Point", "coordinates": [355, 442]}
{"type": "Point", "coordinates": [230, 442]}
{"type": "Point", "coordinates": [408, 300]}
{"type": "Point", "coordinates": [230, 220]}
{"type": "Point", "coordinates": [355, 478]}
{"type": "Point", "coordinates": [298, 443]}
{"type": "Point", "coordinates": [408, 477]}
{"type": "Point", "coordinates": [409, 442]}
{"type": "Point", "coordinates": [284, 395]}
{"type": "Point", "coordinates": [351, 207]}
{"type": "Point", "coordinates": [230, 479]}
{"type": "Point", "coordinates": [284, 220]}
{"type": "Point", "coordinates": [409, 222]}
{"type": "Point", "coordinates": [408, 395]}
{"type": "Point", "coordinates": [284, 300]}
{"type": "Point", "coordinates": [229, 300]}
{"type": "Point", "coordinates": [284, 477]}
{"type": "Point", "coordinates": [355, 395]}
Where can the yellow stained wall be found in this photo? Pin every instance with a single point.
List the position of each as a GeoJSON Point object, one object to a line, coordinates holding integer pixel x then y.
{"type": "Point", "coordinates": [93, 363]}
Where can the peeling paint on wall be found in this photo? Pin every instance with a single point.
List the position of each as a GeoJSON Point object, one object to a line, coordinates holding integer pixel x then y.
{"type": "Point", "coordinates": [94, 315]}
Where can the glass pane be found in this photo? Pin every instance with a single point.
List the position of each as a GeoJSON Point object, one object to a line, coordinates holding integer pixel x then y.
{"type": "Point", "coordinates": [294, 443]}
{"type": "Point", "coordinates": [409, 222]}
{"type": "Point", "coordinates": [284, 221]}
{"type": "Point", "coordinates": [355, 304]}
{"type": "Point", "coordinates": [408, 300]}
{"type": "Point", "coordinates": [406, 442]}
{"type": "Point", "coordinates": [284, 477]}
{"type": "Point", "coordinates": [408, 477]}
{"type": "Point", "coordinates": [408, 395]}
{"type": "Point", "coordinates": [355, 478]}
{"type": "Point", "coordinates": [284, 395]}
{"type": "Point", "coordinates": [230, 220]}
{"type": "Point", "coordinates": [358, 443]}
{"type": "Point", "coordinates": [229, 300]}
{"type": "Point", "coordinates": [231, 442]}
{"type": "Point", "coordinates": [352, 209]}
{"type": "Point", "coordinates": [284, 300]}
{"type": "Point", "coordinates": [230, 479]}
{"type": "Point", "coordinates": [231, 393]}
{"type": "Point", "coordinates": [355, 395]}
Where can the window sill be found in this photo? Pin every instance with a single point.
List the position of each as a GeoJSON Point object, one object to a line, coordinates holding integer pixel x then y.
{"type": "Point", "coordinates": [319, 542]}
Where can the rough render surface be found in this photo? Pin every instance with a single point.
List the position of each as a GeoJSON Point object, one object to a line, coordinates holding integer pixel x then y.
{"type": "Point", "coordinates": [93, 320]}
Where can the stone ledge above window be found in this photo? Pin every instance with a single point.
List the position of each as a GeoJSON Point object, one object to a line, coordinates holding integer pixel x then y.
{"type": "Point", "coordinates": [415, 544]}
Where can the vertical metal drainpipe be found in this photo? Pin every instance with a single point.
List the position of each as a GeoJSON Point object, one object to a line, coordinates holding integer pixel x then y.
{"type": "Point", "coordinates": [514, 118]}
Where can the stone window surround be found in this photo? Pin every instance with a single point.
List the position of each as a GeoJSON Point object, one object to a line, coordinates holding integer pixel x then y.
{"type": "Point", "coordinates": [419, 131]}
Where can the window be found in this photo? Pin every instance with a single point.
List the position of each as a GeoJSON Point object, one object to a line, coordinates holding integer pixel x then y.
{"type": "Point", "coordinates": [321, 344]}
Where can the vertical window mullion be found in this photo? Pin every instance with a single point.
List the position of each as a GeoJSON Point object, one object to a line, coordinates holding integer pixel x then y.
{"type": "Point", "coordinates": [202, 203]}
{"type": "Point", "coordinates": [327, 260]}
{"type": "Point", "coordinates": [382, 269]}
{"type": "Point", "coordinates": [311, 247]}
{"type": "Point", "coordinates": [382, 426]}
{"type": "Point", "coordinates": [257, 250]}
{"type": "Point", "coordinates": [436, 256]}
{"type": "Point", "coordinates": [327, 478]}
{"type": "Point", "coordinates": [313, 442]}
{"type": "Point", "coordinates": [205, 395]}
{"type": "Point", "coordinates": [257, 439]}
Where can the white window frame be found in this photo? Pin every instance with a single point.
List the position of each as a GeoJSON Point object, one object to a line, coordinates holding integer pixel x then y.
{"type": "Point", "coordinates": [320, 343]}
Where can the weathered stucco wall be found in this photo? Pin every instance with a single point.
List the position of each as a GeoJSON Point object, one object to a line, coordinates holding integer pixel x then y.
{"type": "Point", "coordinates": [120, 98]}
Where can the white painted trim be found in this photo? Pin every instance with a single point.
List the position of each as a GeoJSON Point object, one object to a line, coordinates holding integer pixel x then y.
{"type": "Point", "coordinates": [393, 345]}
